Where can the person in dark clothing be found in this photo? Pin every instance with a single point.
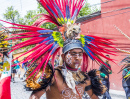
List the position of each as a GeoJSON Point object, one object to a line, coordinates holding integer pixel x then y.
{"type": "Point", "coordinates": [24, 65]}
{"type": "Point", "coordinates": [105, 78]}
{"type": "Point", "coordinates": [126, 75]}
{"type": "Point", "coordinates": [126, 81]}
{"type": "Point", "coordinates": [13, 72]}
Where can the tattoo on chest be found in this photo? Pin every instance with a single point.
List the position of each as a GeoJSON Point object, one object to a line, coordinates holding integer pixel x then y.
{"type": "Point", "coordinates": [68, 93]}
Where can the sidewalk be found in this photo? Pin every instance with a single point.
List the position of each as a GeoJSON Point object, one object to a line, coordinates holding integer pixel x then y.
{"type": "Point", "coordinates": [116, 94]}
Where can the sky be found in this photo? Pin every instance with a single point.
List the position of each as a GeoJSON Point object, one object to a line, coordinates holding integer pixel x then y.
{"type": "Point", "coordinates": [24, 5]}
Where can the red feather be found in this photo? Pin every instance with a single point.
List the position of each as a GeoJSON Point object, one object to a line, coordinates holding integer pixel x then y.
{"type": "Point", "coordinates": [53, 56]}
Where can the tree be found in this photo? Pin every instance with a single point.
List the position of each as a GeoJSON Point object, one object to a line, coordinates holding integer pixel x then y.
{"type": "Point", "coordinates": [86, 10]}
{"type": "Point", "coordinates": [21, 21]}
{"type": "Point", "coordinates": [11, 14]}
{"type": "Point", "coordinates": [48, 25]}
{"type": "Point", "coordinates": [40, 9]}
{"type": "Point", "coordinates": [29, 17]}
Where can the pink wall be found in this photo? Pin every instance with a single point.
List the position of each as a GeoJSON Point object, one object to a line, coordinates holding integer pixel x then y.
{"type": "Point", "coordinates": [103, 26]}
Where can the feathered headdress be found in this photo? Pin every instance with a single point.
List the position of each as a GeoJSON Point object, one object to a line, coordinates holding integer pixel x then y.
{"type": "Point", "coordinates": [63, 14]}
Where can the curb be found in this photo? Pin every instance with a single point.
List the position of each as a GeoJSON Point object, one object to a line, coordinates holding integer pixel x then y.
{"type": "Point", "coordinates": [118, 93]}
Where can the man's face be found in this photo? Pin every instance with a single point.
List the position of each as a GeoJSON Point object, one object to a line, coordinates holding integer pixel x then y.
{"type": "Point", "coordinates": [73, 58]}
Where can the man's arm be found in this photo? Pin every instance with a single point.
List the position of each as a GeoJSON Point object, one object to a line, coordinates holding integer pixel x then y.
{"type": "Point", "coordinates": [89, 91]}
{"type": "Point", "coordinates": [37, 95]}
{"type": "Point", "coordinates": [103, 75]}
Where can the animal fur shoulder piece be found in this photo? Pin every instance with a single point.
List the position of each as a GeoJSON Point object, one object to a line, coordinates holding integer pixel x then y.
{"type": "Point", "coordinates": [39, 81]}
{"type": "Point", "coordinates": [97, 87]}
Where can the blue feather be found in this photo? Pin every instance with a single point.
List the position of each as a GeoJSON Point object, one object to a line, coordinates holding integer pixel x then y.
{"type": "Point", "coordinates": [54, 49]}
{"type": "Point", "coordinates": [88, 48]}
{"type": "Point", "coordinates": [67, 12]}
{"type": "Point", "coordinates": [52, 11]}
{"type": "Point", "coordinates": [89, 37]}
{"type": "Point", "coordinates": [49, 42]}
{"type": "Point", "coordinates": [44, 31]}
{"type": "Point", "coordinates": [87, 42]}
{"type": "Point", "coordinates": [74, 15]}
{"type": "Point", "coordinates": [88, 52]}
{"type": "Point", "coordinates": [49, 38]}
{"type": "Point", "coordinates": [45, 35]}
{"type": "Point", "coordinates": [53, 46]}
{"type": "Point", "coordinates": [59, 11]}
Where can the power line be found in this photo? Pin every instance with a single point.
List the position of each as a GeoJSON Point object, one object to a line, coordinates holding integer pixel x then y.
{"type": "Point", "coordinates": [21, 5]}
{"type": "Point", "coordinates": [101, 3]}
{"type": "Point", "coordinates": [86, 18]}
{"type": "Point", "coordinates": [112, 11]}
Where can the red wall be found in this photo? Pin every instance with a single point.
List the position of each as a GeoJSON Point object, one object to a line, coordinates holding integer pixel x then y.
{"type": "Point", "coordinates": [103, 26]}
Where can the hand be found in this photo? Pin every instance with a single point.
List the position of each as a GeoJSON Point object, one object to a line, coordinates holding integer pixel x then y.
{"type": "Point", "coordinates": [104, 89]}
{"type": "Point", "coordinates": [109, 70]}
{"type": "Point", "coordinates": [34, 97]}
{"type": "Point", "coordinates": [106, 77]}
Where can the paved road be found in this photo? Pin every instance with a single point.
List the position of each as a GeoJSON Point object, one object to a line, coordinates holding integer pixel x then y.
{"type": "Point", "coordinates": [18, 91]}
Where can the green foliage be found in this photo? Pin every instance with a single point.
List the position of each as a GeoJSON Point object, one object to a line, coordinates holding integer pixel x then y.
{"type": "Point", "coordinates": [11, 14]}
{"type": "Point", "coordinates": [21, 21]}
{"type": "Point", "coordinates": [40, 9]}
{"type": "Point", "coordinates": [86, 10]}
{"type": "Point", "coordinates": [29, 17]}
{"type": "Point", "coordinates": [48, 26]}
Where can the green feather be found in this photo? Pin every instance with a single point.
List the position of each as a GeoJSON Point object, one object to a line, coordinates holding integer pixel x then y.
{"type": "Point", "coordinates": [58, 38]}
{"type": "Point", "coordinates": [82, 39]}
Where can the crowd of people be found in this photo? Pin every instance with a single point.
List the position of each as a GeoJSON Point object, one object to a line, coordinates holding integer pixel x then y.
{"type": "Point", "coordinates": [17, 69]}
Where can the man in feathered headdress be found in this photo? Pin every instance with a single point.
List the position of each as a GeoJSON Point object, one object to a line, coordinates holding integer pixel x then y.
{"type": "Point", "coordinates": [70, 82]}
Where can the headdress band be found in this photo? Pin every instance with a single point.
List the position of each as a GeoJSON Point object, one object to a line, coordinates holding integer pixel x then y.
{"type": "Point", "coordinates": [71, 44]}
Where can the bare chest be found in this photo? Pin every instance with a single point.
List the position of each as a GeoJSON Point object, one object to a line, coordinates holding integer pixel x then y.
{"type": "Point", "coordinates": [64, 92]}
{"type": "Point", "coordinates": [67, 93]}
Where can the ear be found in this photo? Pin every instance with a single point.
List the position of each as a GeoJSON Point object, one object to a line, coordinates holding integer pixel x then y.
{"type": "Point", "coordinates": [63, 56]}
{"type": "Point", "coordinates": [60, 61]}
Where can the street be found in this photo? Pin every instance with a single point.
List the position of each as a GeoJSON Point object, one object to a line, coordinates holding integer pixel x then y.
{"type": "Point", "coordinates": [18, 91]}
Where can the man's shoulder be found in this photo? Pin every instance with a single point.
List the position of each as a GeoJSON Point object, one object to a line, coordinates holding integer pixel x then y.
{"type": "Point", "coordinates": [58, 71]}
